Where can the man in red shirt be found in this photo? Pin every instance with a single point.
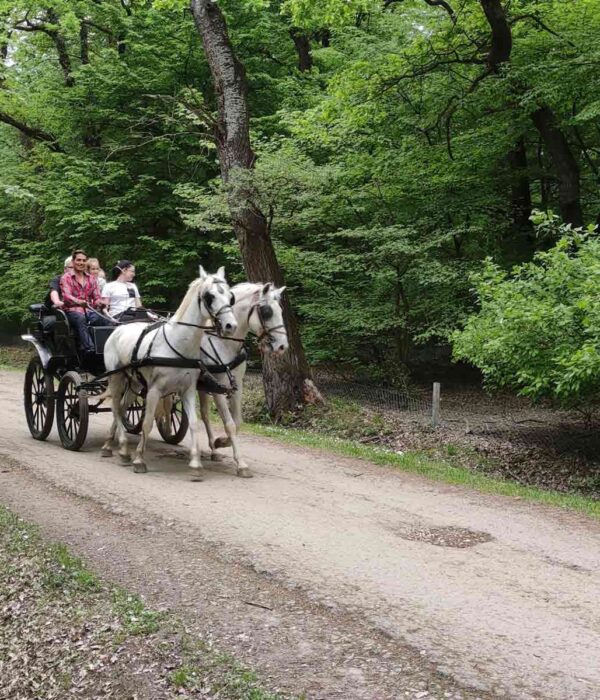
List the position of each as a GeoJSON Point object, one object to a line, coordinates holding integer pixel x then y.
{"type": "Point", "coordinates": [81, 296]}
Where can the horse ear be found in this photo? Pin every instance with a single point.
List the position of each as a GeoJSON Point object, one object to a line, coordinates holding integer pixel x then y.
{"type": "Point", "coordinates": [266, 289]}
{"type": "Point", "coordinates": [278, 292]}
{"type": "Point", "coordinates": [221, 272]}
{"type": "Point", "coordinates": [202, 273]}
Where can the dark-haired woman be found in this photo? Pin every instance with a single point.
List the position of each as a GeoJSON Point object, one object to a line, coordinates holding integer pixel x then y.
{"type": "Point", "coordinates": [122, 295]}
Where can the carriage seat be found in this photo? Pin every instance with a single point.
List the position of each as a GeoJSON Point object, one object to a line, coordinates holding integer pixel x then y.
{"type": "Point", "coordinates": [37, 308]}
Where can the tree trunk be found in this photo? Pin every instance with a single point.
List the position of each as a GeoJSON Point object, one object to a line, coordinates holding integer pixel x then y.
{"type": "Point", "coordinates": [501, 47]}
{"type": "Point", "coordinates": [302, 44]}
{"type": "Point", "coordinates": [565, 165]}
{"type": "Point", "coordinates": [287, 379]}
{"type": "Point", "coordinates": [520, 194]}
{"type": "Point", "coordinates": [61, 48]}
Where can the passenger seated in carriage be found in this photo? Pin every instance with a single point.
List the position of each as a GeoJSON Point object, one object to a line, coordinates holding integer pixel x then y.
{"type": "Point", "coordinates": [81, 297]}
{"type": "Point", "coordinates": [122, 295]}
{"type": "Point", "coordinates": [54, 296]}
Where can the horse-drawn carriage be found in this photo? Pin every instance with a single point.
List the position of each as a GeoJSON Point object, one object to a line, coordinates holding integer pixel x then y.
{"type": "Point", "coordinates": [154, 370]}
{"type": "Point", "coordinates": [58, 382]}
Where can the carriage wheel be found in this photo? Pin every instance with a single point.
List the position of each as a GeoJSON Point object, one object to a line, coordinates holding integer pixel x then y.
{"type": "Point", "coordinates": [39, 399]}
{"type": "Point", "coordinates": [72, 412]}
{"type": "Point", "coordinates": [134, 416]}
{"type": "Point", "coordinates": [172, 428]}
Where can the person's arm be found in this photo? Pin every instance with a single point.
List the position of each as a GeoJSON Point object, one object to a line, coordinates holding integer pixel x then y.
{"type": "Point", "coordinates": [138, 300]}
{"type": "Point", "coordinates": [54, 293]}
{"type": "Point", "coordinates": [106, 294]}
{"type": "Point", "coordinates": [55, 299]}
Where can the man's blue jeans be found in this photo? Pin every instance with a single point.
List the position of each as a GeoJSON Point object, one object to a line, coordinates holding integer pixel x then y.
{"type": "Point", "coordinates": [80, 323]}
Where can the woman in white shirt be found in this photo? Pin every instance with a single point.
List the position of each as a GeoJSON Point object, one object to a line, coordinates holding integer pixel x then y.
{"type": "Point", "coordinates": [122, 295]}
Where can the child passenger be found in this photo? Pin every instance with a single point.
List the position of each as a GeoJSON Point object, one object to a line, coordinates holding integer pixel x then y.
{"type": "Point", "coordinates": [94, 269]}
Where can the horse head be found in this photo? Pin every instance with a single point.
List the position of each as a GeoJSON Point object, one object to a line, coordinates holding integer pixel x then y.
{"type": "Point", "coordinates": [266, 320]}
{"type": "Point", "coordinates": [215, 300]}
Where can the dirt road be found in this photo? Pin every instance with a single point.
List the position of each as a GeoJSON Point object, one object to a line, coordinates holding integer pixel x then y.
{"type": "Point", "coordinates": [373, 583]}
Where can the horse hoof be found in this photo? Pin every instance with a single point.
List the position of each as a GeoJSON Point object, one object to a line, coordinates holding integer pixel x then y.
{"type": "Point", "coordinates": [105, 452]}
{"type": "Point", "coordinates": [222, 442]}
{"type": "Point", "coordinates": [125, 459]}
{"type": "Point", "coordinates": [139, 468]}
{"type": "Point", "coordinates": [216, 457]}
{"type": "Point", "coordinates": [196, 474]}
{"type": "Point", "coordinates": [245, 473]}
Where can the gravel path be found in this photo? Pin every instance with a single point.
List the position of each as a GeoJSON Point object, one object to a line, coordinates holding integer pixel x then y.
{"type": "Point", "coordinates": [330, 576]}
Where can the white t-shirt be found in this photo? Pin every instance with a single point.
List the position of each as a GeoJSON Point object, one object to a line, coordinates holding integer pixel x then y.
{"type": "Point", "coordinates": [120, 296]}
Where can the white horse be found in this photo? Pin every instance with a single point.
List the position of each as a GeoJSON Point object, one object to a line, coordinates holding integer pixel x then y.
{"type": "Point", "coordinates": [257, 310]}
{"type": "Point", "coordinates": [208, 300]}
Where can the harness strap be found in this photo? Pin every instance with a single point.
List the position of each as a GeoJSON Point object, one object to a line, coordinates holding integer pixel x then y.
{"type": "Point", "coordinates": [143, 334]}
{"type": "Point", "coordinates": [222, 367]}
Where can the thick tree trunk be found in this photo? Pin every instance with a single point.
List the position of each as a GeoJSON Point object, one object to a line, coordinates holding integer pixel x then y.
{"type": "Point", "coordinates": [565, 165]}
{"type": "Point", "coordinates": [287, 379]}
{"type": "Point", "coordinates": [501, 34]}
{"type": "Point", "coordinates": [302, 44]}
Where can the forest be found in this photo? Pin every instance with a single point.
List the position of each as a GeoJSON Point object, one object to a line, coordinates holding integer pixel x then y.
{"type": "Point", "coordinates": [406, 164]}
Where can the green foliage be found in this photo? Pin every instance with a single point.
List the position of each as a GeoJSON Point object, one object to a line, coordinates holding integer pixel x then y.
{"type": "Point", "coordinates": [538, 328]}
{"type": "Point", "coordinates": [383, 171]}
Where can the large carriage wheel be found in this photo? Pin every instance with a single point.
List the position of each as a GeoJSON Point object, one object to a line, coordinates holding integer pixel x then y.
{"type": "Point", "coordinates": [173, 427]}
{"type": "Point", "coordinates": [72, 412]}
{"type": "Point", "coordinates": [134, 415]}
{"type": "Point", "coordinates": [39, 399]}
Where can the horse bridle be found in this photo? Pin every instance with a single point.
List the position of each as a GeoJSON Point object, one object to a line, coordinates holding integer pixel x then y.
{"type": "Point", "coordinates": [264, 313]}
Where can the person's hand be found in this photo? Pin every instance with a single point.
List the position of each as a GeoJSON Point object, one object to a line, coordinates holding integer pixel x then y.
{"type": "Point", "coordinates": [58, 304]}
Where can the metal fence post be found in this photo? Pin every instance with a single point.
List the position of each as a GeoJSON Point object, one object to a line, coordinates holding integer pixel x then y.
{"type": "Point", "coordinates": [435, 407]}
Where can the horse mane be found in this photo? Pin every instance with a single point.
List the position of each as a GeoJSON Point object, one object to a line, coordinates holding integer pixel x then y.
{"type": "Point", "coordinates": [190, 296]}
{"type": "Point", "coordinates": [243, 290]}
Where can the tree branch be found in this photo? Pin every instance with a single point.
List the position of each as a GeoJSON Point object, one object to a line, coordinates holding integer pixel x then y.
{"type": "Point", "coordinates": [445, 5]}
{"type": "Point", "coordinates": [31, 132]}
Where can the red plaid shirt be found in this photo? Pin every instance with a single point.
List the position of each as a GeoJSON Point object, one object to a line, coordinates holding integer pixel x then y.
{"type": "Point", "coordinates": [72, 290]}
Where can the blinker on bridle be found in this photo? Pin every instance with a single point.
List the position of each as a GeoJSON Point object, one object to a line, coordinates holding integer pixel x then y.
{"type": "Point", "coordinates": [264, 313]}
{"type": "Point", "coordinates": [208, 298]}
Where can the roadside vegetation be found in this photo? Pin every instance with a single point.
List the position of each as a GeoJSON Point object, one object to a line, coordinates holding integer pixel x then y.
{"type": "Point", "coordinates": [347, 428]}
{"type": "Point", "coordinates": [67, 633]}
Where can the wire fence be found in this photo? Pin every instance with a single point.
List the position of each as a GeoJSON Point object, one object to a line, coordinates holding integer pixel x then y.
{"type": "Point", "coordinates": [368, 394]}
{"type": "Point", "coordinates": [491, 424]}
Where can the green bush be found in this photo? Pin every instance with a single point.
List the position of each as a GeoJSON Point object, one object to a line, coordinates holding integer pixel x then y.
{"type": "Point", "coordinates": [538, 328]}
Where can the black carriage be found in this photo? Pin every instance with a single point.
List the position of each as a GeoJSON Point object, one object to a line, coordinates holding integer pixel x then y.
{"type": "Point", "coordinates": [57, 381]}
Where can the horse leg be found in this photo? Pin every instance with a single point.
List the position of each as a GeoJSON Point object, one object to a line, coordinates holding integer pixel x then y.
{"type": "Point", "coordinates": [152, 399]}
{"type": "Point", "coordinates": [106, 450]}
{"type": "Point", "coordinates": [234, 403]}
{"type": "Point", "coordinates": [117, 389]}
{"type": "Point", "coordinates": [205, 415]}
{"type": "Point", "coordinates": [189, 405]}
{"type": "Point", "coordinates": [230, 428]}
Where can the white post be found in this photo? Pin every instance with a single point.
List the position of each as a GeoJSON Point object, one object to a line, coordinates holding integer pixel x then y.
{"type": "Point", "coordinates": [435, 407]}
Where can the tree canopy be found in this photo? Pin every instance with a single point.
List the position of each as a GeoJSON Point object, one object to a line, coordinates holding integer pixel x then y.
{"type": "Point", "coordinates": [398, 144]}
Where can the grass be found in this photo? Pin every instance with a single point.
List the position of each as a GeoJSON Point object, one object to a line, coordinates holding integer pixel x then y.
{"type": "Point", "coordinates": [419, 463]}
{"type": "Point", "coordinates": [89, 634]}
{"type": "Point", "coordinates": [15, 357]}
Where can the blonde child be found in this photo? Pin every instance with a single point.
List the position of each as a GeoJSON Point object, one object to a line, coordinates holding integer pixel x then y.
{"type": "Point", "coordinates": [94, 269]}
